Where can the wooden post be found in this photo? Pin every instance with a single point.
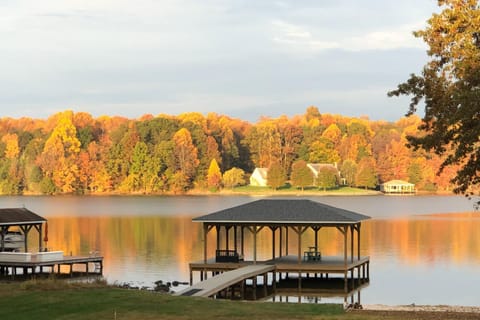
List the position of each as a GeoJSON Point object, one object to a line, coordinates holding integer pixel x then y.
{"type": "Point", "coordinates": [299, 233]}
{"type": "Point", "coordinates": [351, 243]}
{"type": "Point", "coordinates": [255, 245]}
{"type": "Point", "coordinates": [299, 281]}
{"type": "Point", "coordinates": [281, 243]}
{"type": "Point", "coordinates": [265, 284]}
{"type": "Point", "coordinates": [316, 238]}
{"type": "Point", "coordinates": [235, 238]}
{"type": "Point", "coordinates": [286, 240]}
{"type": "Point", "coordinates": [274, 280]}
{"type": "Point", "coordinates": [217, 227]}
{"type": "Point", "coordinates": [26, 230]}
{"type": "Point", "coordinates": [274, 229]}
{"type": "Point", "coordinates": [227, 233]}
{"type": "Point", "coordinates": [255, 288]}
{"type": "Point", "coordinates": [358, 241]}
{"type": "Point", "coordinates": [4, 231]}
{"type": "Point", "coordinates": [242, 242]}
{"type": "Point", "coordinates": [205, 233]}
{"type": "Point", "coordinates": [300, 230]}
{"type": "Point", "coordinates": [345, 236]}
{"type": "Point", "coordinates": [40, 236]}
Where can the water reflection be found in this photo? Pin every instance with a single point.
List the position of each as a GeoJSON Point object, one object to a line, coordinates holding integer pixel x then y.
{"type": "Point", "coordinates": [142, 250]}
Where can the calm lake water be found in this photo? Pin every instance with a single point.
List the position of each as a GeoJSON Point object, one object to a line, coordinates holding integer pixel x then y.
{"type": "Point", "coordinates": [423, 249]}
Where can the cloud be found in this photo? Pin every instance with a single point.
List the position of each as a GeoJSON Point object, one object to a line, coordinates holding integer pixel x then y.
{"type": "Point", "coordinates": [313, 39]}
{"type": "Point", "coordinates": [298, 37]}
{"type": "Point", "coordinates": [388, 39]}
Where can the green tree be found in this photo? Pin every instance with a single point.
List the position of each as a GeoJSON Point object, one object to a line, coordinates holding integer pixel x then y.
{"type": "Point", "coordinates": [233, 177]}
{"type": "Point", "coordinates": [276, 176]}
{"type": "Point", "coordinates": [327, 178]}
{"type": "Point", "coordinates": [214, 176]}
{"type": "Point", "coordinates": [301, 175]}
{"type": "Point", "coordinates": [449, 85]}
{"type": "Point", "coordinates": [349, 171]}
{"type": "Point", "coordinates": [366, 174]}
{"type": "Point", "coordinates": [323, 151]}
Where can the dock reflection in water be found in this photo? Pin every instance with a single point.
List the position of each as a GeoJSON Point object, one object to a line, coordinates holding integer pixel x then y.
{"type": "Point", "coordinates": [426, 250]}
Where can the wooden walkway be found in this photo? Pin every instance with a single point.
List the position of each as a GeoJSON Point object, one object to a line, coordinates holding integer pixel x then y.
{"type": "Point", "coordinates": [10, 267]}
{"type": "Point", "coordinates": [222, 281]}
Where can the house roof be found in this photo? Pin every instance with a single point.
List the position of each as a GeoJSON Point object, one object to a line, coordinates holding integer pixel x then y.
{"type": "Point", "coordinates": [315, 167]}
{"type": "Point", "coordinates": [284, 211]}
{"type": "Point", "coordinates": [397, 182]}
{"type": "Point", "coordinates": [19, 216]}
{"type": "Point", "coordinates": [263, 172]}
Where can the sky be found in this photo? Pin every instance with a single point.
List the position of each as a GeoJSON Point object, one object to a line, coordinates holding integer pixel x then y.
{"type": "Point", "coordinates": [245, 59]}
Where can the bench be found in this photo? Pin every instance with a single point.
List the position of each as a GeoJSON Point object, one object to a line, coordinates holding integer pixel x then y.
{"type": "Point", "coordinates": [227, 256]}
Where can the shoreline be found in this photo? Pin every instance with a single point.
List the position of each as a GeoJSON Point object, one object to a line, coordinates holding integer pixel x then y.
{"type": "Point", "coordinates": [421, 308]}
{"type": "Point", "coordinates": [260, 193]}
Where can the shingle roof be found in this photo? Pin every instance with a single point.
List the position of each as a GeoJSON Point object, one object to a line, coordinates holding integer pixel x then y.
{"type": "Point", "coordinates": [19, 216]}
{"type": "Point", "coordinates": [287, 211]}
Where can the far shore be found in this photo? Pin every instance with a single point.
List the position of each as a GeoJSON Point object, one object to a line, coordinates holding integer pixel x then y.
{"type": "Point", "coordinates": [258, 191]}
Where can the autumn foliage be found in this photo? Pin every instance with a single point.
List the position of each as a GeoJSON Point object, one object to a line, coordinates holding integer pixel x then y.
{"type": "Point", "coordinates": [76, 153]}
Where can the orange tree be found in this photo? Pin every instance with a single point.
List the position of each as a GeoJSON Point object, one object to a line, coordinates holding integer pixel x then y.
{"type": "Point", "coordinates": [449, 86]}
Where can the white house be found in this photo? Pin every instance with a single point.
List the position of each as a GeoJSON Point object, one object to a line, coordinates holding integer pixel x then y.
{"type": "Point", "coordinates": [397, 186]}
{"type": "Point", "coordinates": [316, 167]}
{"type": "Point", "coordinates": [259, 177]}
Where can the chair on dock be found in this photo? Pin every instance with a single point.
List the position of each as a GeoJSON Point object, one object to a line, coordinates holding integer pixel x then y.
{"type": "Point", "coordinates": [312, 254]}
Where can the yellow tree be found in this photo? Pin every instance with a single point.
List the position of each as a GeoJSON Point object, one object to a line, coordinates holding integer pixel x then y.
{"type": "Point", "coordinates": [333, 133]}
{"type": "Point", "coordinates": [214, 176]}
{"type": "Point", "coordinates": [58, 157]}
{"type": "Point", "coordinates": [11, 145]}
{"type": "Point", "coordinates": [186, 155]}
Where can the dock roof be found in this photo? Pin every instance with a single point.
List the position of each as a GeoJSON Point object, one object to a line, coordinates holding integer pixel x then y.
{"type": "Point", "coordinates": [283, 211]}
{"type": "Point", "coordinates": [19, 216]}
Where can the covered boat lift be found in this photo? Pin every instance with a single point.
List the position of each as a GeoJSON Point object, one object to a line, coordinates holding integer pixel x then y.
{"type": "Point", "coordinates": [282, 217]}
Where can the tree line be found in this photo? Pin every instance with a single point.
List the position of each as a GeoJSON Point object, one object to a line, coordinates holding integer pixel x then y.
{"type": "Point", "coordinates": [75, 153]}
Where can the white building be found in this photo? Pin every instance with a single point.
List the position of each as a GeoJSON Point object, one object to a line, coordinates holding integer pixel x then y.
{"type": "Point", "coordinates": [259, 177]}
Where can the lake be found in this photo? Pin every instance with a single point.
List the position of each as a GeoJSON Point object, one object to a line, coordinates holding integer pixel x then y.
{"type": "Point", "coordinates": [423, 249]}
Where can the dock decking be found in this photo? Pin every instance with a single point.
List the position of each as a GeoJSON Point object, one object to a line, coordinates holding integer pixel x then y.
{"type": "Point", "coordinates": [11, 267]}
{"type": "Point", "coordinates": [232, 273]}
{"type": "Point", "coordinates": [288, 264]}
{"type": "Point", "coordinates": [222, 281]}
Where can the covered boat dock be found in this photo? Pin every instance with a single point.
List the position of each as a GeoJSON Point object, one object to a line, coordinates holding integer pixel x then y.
{"type": "Point", "coordinates": [19, 222]}
{"type": "Point", "coordinates": [287, 219]}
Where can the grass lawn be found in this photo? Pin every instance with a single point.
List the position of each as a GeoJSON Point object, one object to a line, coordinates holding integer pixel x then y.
{"type": "Point", "coordinates": [289, 190]}
{"type": "Point", "coordinates": [51, 299]}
